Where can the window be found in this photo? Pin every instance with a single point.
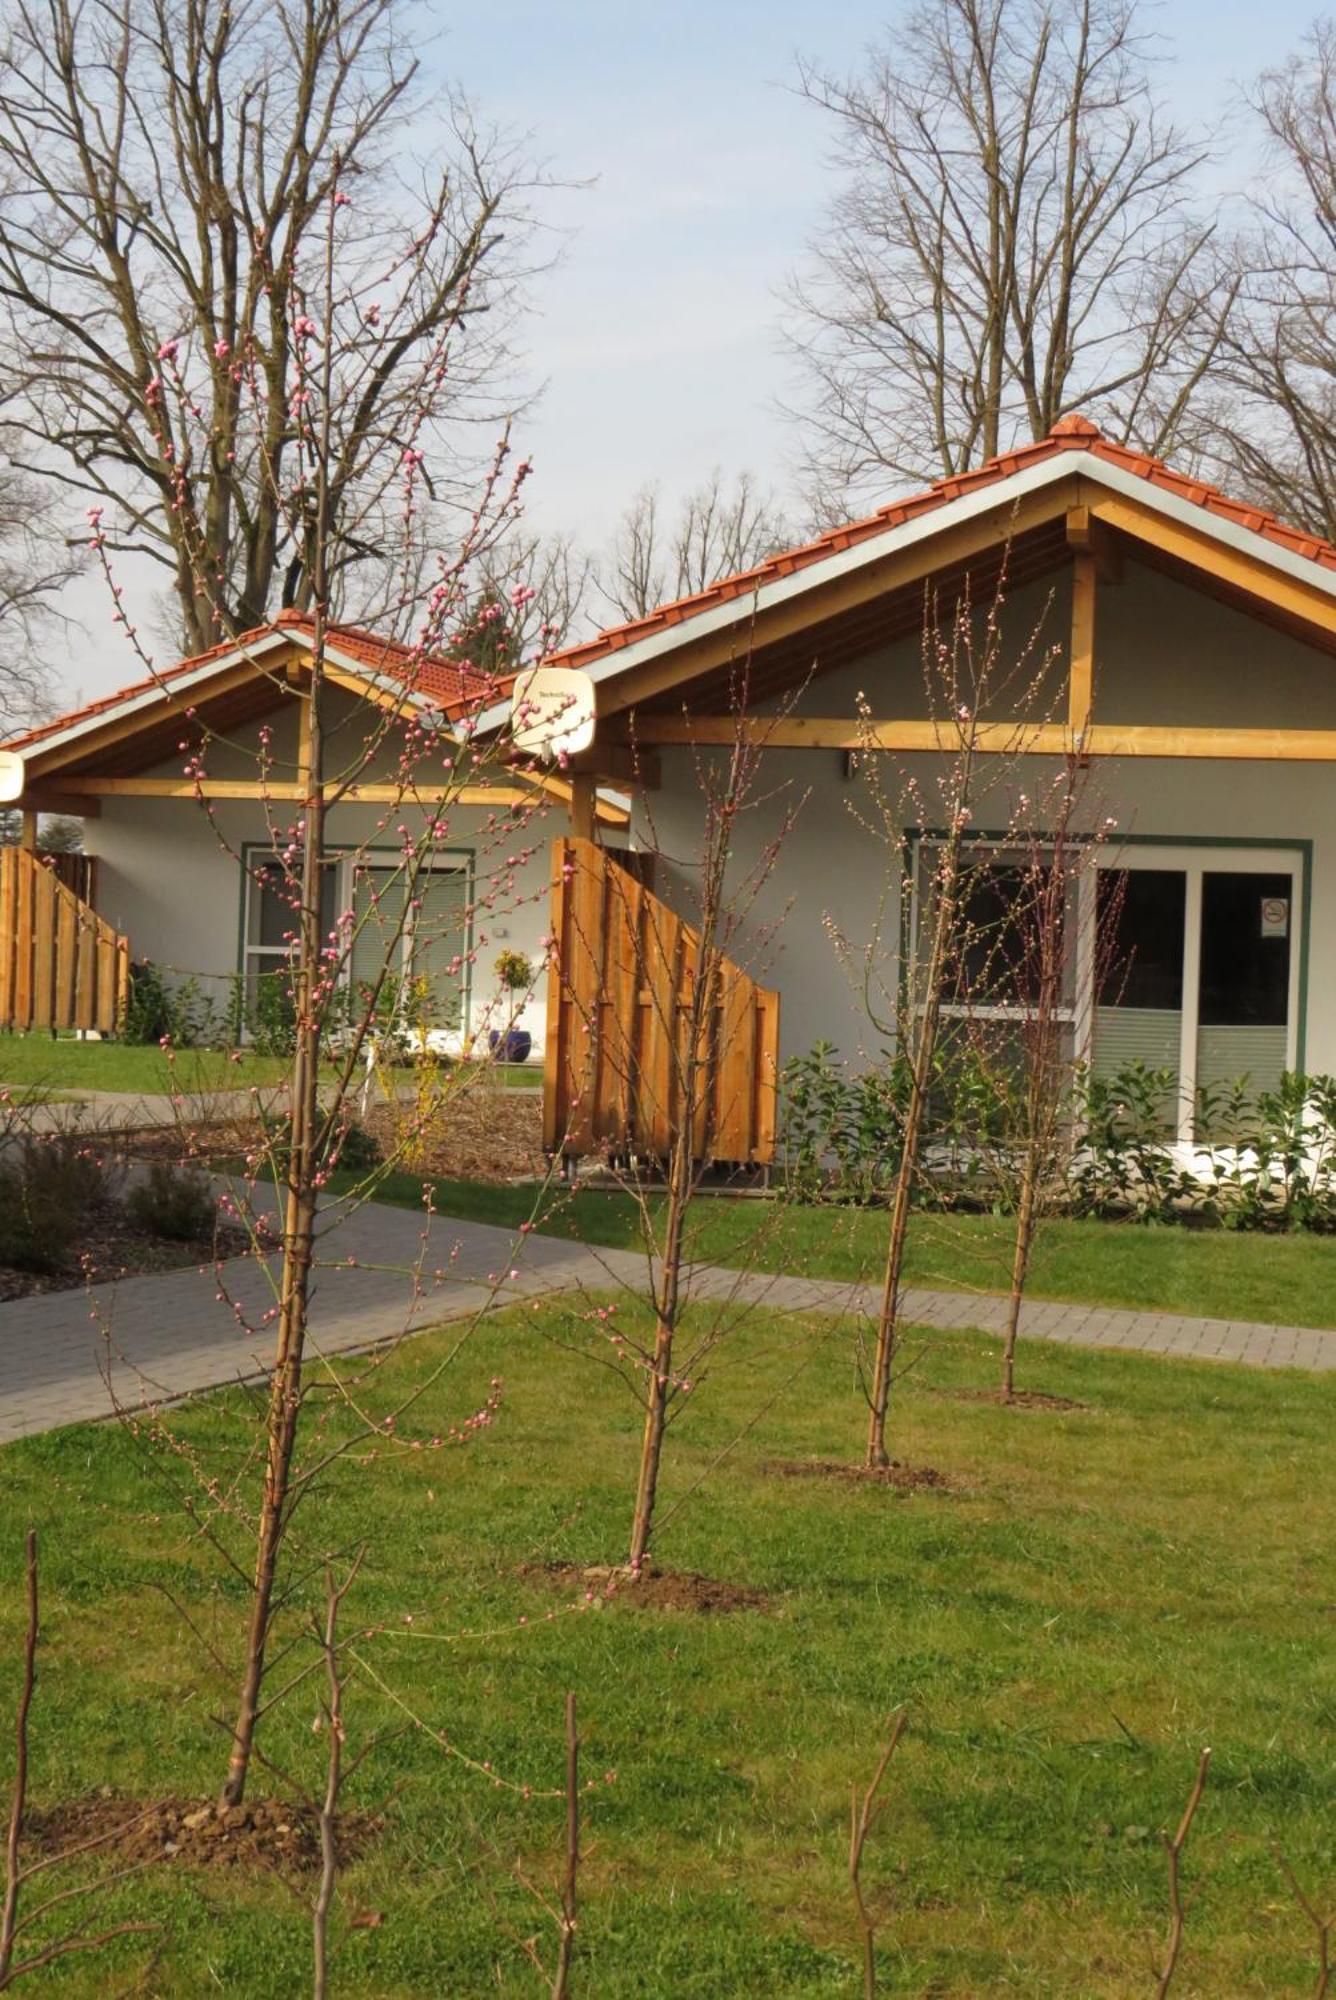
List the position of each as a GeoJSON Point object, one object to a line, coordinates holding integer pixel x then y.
{"type": "Point", "coordinates": [1183, 959]}
{"type": "Point", "coordinates": [273, 917]}
{"type": "Point", "coordinates": [1140, 929]}
{"type": "Point", "coordinates": [996, 957]}
{"type": "Point", "coordinates": [425, 938]}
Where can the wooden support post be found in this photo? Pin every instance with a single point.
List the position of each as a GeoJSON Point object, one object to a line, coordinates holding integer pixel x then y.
{"type": "Point", "coordinates": [1081, 663]}
{"type": "Point", "coordinates": [582, 805]}
{"type": "Point", "coordinates": [28, 831]}
{"type": "Point", "coordinates": [304, 744]}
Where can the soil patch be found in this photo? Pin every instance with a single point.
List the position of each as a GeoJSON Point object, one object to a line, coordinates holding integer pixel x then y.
{"type": "Point", "coordinates": [195, 1833]}
{"type": "Point", "coordinates": [112, 1245]}
{"type": "Point", "coordinates": [902, 1478]}
{"type": "Point", "coordinates": [1023, 1399]}
{"type": "Point", "coordinates": [479, 1131]}
{"type": "Point", "coordinates": [652, 1590]}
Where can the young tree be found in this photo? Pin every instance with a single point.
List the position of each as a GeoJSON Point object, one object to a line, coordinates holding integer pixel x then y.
{"type": "Point", "coordinates": [1038, 961]}
{"type": "Point", "coordinates": [985, 691]}
{"type": "Point", "coordinates": [166, 168]}
{"type": "Point", "coordinates": [660, 1064]}
{"type": "Point", "coordinates": [419, 745]}
{"type": "Point", "coordinates": [716, 531]}
{"type": "Point", "coordinates": [1012, 239]}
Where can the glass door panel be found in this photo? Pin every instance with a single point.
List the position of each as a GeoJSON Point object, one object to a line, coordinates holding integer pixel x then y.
{"type": "Point", "coordinates": [1243, 1013]}
{"type": "Point", "coordinates": [1140, 931]}
{"type": "Point", "coordinates": [440, 944]}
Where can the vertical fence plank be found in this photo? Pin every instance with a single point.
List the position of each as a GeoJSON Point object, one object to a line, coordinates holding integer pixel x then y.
{"type": "Point", "coordinates": [44, 948]}
{"type": "Point", "coordinates": [618, 1022]}
{"type": "Point", "coordinates": [85, 973]}
{"type": "Point", "coordinates": [23, 944]}
{"type": "Point", "coordinates": [9, 928]}
{"type": "Point", "coordinates": [67, 908]}
{"type": "Point", "coordinates": [61, 965]}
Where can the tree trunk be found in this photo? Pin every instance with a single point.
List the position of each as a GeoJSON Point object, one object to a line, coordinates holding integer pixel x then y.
{"type": "Point", "coordinates": [1026, 1215]}
{"type": "Point", "coordinates": [661, 1367]}
{"type": "Point", "coordinates": [285, 1389]}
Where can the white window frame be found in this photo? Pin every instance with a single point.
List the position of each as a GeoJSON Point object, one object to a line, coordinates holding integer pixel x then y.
{"type": "Point", "coordinates": [1196, 862]}
{"type": "Point", "coordinates": [1004, 851]}
{"type": "Point", "coordinates": [450, 861]}
{"type": "Point", "coordinates": [1191, 860]}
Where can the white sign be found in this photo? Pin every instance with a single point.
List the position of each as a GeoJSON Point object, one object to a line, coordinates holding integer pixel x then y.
{"type": "Point", "coordinates": [11, 777]}
{"type": "Point", "coordinates": [1275, 916]}
{"type": "Point", "coordinates": [552, 712]}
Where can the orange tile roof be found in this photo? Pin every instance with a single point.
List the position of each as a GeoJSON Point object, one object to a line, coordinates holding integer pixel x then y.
{"type": "Point", "coordinates": [443, 680]}
{"type": "Point", "coordinates": [454, 684]}
{"type": "Point", "coordinates": [1070, 434]}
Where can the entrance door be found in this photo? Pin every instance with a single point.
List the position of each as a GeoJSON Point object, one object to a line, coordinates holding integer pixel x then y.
{"type": "Point", "coordinates": [1198, 957]}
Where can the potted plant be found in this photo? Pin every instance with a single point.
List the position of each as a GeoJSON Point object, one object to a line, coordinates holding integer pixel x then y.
{"type": "Point", "coordinates": [515, 976]}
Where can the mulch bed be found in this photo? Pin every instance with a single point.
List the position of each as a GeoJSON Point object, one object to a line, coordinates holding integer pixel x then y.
{"type": "Point", "coordinates": [480, 1131]}
{"type": "Point", "coordinates": [899, 1477]}
{"type": "Point", "coordinates": [1023, 1399]}
{"type": "Point", "coordinates": [652, 1590]}
{"type": "Point", "coordinates": [477, 1130]}
{"type": "Point", "coordinates": [115, 1246]}
{"type": "Point", "coordinates": [195, 1833]}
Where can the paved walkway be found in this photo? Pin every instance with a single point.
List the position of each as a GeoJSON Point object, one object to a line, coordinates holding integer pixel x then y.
{"type": "Point", "coordinates": [170, 1334]}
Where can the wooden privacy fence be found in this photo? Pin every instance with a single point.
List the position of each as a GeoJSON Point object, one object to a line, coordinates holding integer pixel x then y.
{"type": "Point", "coordinates": [618, 1002]}
{"type": "Point", "coordinates": [61, 964]}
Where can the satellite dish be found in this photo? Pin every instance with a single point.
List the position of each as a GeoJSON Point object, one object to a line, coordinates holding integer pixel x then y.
{"type": "Point", "coordinates": [552, 712]}
{"type": "Point", "coordinates": [11, 777]}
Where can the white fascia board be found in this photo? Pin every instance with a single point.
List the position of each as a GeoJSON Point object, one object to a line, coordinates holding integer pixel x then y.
{"type": "Point", "coordinates": [1230, 534]}
{"type": "Point", "coordinates": [922, 527]}
{"type": "Point", "coordinates": [165, 690]}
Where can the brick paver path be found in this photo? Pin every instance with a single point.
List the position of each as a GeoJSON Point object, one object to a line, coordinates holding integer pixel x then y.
{"type": "Point", "coordinates": [168, 1335]}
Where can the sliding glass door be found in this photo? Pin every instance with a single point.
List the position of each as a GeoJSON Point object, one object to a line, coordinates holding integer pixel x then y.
{"type": "Point", "coordinates": [1197, 951]}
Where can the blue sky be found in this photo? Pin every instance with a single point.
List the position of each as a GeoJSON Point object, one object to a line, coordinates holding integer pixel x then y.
{"type": "Point", "coordinates": [658, 333]}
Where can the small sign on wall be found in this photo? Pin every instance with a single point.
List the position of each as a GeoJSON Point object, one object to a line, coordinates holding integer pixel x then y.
{"type": "Point", "coordinates": [1275, 916]}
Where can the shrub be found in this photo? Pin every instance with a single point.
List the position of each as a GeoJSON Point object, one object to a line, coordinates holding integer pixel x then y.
{"type": "Point", "coordinates": [354, 1148]}
{"type": "Point", "coordinates": [158, 1010]}
{"type": "Point", "coordinates": [270, 1014]}
{"type": "Point", "coordinates": [1267, 1158]}
{"type": "Point", "coordinates": [49, 1196]}
{"type": "Point", "coordinates": [176, 1202]}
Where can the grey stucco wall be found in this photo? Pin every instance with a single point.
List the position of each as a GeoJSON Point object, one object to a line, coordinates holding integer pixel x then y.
{"type": "Point", "coordinates": [1164, 653]}
{"type": "Point", "coordinates": [169, 877]}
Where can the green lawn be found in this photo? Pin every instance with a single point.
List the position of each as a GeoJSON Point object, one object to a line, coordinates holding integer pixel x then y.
{"type": "Point", "coordinates": [1287, 1280]}
{"type": "Point", "coordinates": [36, 1062]}
{"type": "Point", "coordinates": [1106, 1591]}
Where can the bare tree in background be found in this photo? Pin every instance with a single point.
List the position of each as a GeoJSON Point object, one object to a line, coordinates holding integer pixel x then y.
{"type": "Point", "coordinates": [165, 169]}
{"type": "Point", "coordinates": [1275, 412]}
{"type": "Point", "coordinates": [34, 565]}
{"type": "Point", "coordinates": [717, 531]}
{"type": "Point", "coordinates": [1012, 239]}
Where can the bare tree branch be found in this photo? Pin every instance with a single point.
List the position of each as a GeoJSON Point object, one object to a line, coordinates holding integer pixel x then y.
{"type": "Point", "coordinates": [1011, 239]}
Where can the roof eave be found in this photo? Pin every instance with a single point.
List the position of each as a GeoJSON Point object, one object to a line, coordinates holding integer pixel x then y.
{"type": "Point", "coordinates": [997, 494]}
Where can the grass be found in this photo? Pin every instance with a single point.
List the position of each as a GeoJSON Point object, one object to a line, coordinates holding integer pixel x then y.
{"type": "Point", "coordinates": [44, 1065]}
{"type": "Point", "coordinates": [1284, 1280]}
{"type": "Point", "coordinates": [1108, 1590]}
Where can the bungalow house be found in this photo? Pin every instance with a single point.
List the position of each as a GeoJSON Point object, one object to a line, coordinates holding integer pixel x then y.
{"type": "Point", "coordinates": [1194, 636]}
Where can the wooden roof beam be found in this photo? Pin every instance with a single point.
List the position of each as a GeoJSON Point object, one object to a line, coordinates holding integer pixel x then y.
{"type": "Point", "coordinates": [692, 656]}
{"type": "Point", "coordinates": [1015, 737]}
